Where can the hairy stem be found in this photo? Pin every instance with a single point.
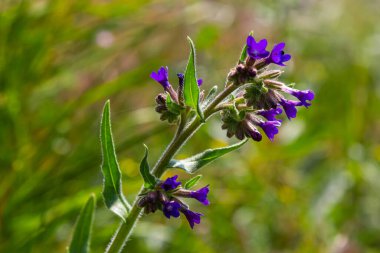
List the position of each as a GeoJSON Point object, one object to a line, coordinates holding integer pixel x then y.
{"type": "Point", "coordinates": [125, 229]}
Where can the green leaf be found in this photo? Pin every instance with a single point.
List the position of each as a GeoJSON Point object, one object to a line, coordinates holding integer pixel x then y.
{"type": "Point", "coordinates": [243, 54]}
{"type": "Point", "coordinates": [190, 86]}
{"type": "Point", "coordinates": [149, 179]}
{"type": "Point", "coordinates": [113, 197]}
{"type": "Point", "coordinates": [80, 243]}
{"type": "Point", "coordinates": [192, 182]}
{"type": "Point", "coordinates": [194, 163]}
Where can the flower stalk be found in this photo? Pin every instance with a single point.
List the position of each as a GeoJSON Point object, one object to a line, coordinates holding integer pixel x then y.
{"type": "Point", "coordinates": [252, 98]}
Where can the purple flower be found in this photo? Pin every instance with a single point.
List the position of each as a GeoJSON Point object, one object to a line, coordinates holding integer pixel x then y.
{"type": "Point", "coordinates": [201, 195]}
{"type": "Point", "coordinates": [192, 217]}
{"type": "Point", "coordinates": [171, 208]}
{"type": "Point", "coordinates": [278, 55]}
{"type": "Point", "coordinates": [161, 77]}
{"type": "Point", "coordinates": [256, 50]}
{"type": "Point", "coordinates": [290, 107]}
{"type": "Point", "coordinates": [302, 95]}
{"type": "Point", "coordinates": [270, 128]}
{"type": "Point", "coordinates": [199, 81]}
{"type": "Point", "coordinates": [170, 183]}
{"type": "Point", "coordinates": [270, 114]}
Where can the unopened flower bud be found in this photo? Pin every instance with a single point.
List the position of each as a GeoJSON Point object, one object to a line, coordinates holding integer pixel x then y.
{"type": "Point", "coordinates": [270, 74]}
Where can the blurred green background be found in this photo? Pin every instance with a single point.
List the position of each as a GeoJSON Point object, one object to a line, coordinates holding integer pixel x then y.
{"type": "Point", "coordinates": [314, 189]}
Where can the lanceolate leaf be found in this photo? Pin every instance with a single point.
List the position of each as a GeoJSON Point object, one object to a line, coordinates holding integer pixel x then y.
{"type": "Point", "coordinates": [149, 179]}
{"type": "Point", "coordinates": [192, 182]}
{"type": "Point", "coordinates": [190, 87]}
{"type": "Point", "coordinates": [80, 243]}
{"type": "Point", "coordinates": [243, 54]}
{"type": "Point", "coordinates": [112, 194]}
{"type": "Point", "coordinates": [194, 163]}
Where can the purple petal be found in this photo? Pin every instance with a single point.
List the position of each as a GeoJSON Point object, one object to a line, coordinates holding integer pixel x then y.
{"type": "Point", "coordinates": [302, 95]}
{"type": "Point", "coordinates": [262, 44]}
{"type": "Point", "coordinates": [270, 114]}
{"type": "Point", "coordinates": [192, 217]}
{"type": "Point", "coordinates": [251, 41]}
{"type": "Point", "coordinates": [200, 82]}
{"type": "Point", "coordinates": [270, 128]}
{"type": "Point", "coordinates": [279, 47]}
{"type": "Point", "coordinates": [290, 107]}
{"type": "Point", "coordinates": [201, 195]}
{"type": "Point", "coordinates": [286, 57]}
{"type": "Point", "coordinates": [170, 183]}
{"type": "Point", "coordinates": [171, 208]}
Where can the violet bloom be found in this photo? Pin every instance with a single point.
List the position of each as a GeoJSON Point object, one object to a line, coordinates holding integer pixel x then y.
{"type": "Point", "coordinates": [162, 77]}
{"type": "Point", "coordinates": [302, 95]}
{"type": "Point", "coordinates": [199, 82]}
{"type": "Point", "coordinates": [270, 114]}
{"type": "Point", "coordinates": [201, 195]}
{"type": "Point", "coordinates": [290, 107]}
{"type": "Point", "coordinates": [170, 183]}
{"type": "Point", "coordinates": [278, 56]}
{"type": "Point", "coordinates": [270, 128]}
{"type": "Point", "coordinates": [171, 208]}
{"type": "Point", "coordinates": [192, 217]}
{"type": "Point", "coordinates": [256, 50]}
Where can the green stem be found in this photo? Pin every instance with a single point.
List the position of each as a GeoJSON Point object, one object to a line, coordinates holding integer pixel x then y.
{"type": "Point", "coordinates": [125, 229]}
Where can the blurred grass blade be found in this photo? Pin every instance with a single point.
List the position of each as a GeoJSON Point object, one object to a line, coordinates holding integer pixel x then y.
{"type": "Point", "coordinates": [190, 87]}
{"type": "Point", "coordinates": [194, 163]}
{"type": "Point", "coordinates": [192, 182]}
{"type": "Point", "coordinates": [80, 243]}
{"type": "Point", "coordinates": [149, 179]}
{"type": "Point", "coordinates": [113, 197]}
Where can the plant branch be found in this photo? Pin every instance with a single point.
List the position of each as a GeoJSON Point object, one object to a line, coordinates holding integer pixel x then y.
{"type": "Point", "coordinates": [182, 136]}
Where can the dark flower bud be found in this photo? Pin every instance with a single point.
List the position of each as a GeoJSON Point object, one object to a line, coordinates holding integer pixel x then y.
{"type": "Point", "coordinates": [260, 97]}
{"type": "Point", "coordinates": [242, 74]}
{"type": "Point", "coordinates": [270, 74]}
{"type": "Point", "coordinates": [170, 114]}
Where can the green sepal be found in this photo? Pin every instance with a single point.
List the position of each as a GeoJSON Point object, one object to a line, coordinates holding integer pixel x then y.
{"type": "Point", "coordinates": [149, 180]}
{"type": "Point", "coordinates": [80, 242]}
{"type": "Point", "coordinates": [190, 86]}
{"type": "Point", "coordinates": [194, 163]}
{"type": "Point", "coordinates": [172, 106]}
{"type": "Point", "coordinates": [192, 182]}
{"type": "Point", "coordinates": [112, 194]}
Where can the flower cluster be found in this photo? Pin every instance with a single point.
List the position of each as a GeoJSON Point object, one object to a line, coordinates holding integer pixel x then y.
{"type": "Point", "coordinates": [262, 99]}
{"type": "Point", "coordinates": [170, 109]}
{"type": "Point", "coordinates": [165, 197]}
